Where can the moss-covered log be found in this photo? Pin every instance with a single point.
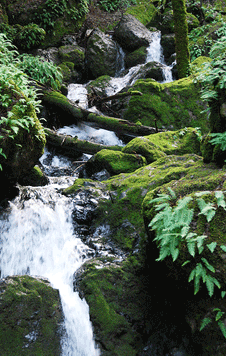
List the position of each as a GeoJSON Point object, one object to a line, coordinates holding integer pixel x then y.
{"type": "Point", "coordinates": [70, 114]}
{"type": "Point", "coordinates": [181, 37]}
{"type": "Point", "coordinates": [72, 146]}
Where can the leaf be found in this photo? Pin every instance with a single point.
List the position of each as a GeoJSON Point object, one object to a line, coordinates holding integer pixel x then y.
{"type": "Point", "coordinates": [219, 315]}
{"type": "Point", "coordinates": [191, 248]}
{"type": "Point", "coordinates": [204, 323]}
{"type": "Point", "coordinates": [210, 286]}
{"type": "Point", "coordinates": [212, 246]}
{"type": "Point", "coordinates": [185, 263]}
{"type": "Point", "coordinates": [208, 265]}
{"type": "Point", "coordinates": [223, 293]}
{"type": "Point", "coordinates": [192, 275]}
{"type": "Point", "coordinates": [223, 247]}
{"type": "Point", "coordinates": [222, 327]}
{"type": "Point", "coordinates": [220, 199]}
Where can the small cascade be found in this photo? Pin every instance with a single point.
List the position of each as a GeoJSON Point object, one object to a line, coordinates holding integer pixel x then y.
{"type": "Point", "coordinates": [120, 65]}
{"type": "Point", "coordinates": [38, 238]}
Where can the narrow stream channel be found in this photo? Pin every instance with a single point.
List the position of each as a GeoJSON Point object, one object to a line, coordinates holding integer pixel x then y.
{"type": "Point", "coordinates": [37, 235]}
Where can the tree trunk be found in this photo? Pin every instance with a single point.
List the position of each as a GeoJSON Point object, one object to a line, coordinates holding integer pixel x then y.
{"type": "Point", "coordinates": [181, 37]}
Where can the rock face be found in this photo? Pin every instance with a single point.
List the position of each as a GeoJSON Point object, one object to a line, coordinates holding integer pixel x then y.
{"type": "Point", "coordinates": [131, 33]}
{"type": "Point", "coordinates": [30, 317]}
{"type": "Point", "coordinates": [101, 54]}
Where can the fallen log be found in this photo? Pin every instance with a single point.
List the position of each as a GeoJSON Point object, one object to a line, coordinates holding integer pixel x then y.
{"type": "Point", "coordinates": [71, 114]}
{"type": "Point", "coordinates": [72, 146]}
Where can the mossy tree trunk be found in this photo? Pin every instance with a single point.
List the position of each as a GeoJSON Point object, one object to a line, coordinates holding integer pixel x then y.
{"type": "Point", "coordinates": [181, 37]}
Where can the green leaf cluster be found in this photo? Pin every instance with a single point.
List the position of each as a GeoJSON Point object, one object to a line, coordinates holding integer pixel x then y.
{"type": "Point", "coordinates": [172, 229]}
{"type": "Point", "coordinates": [114, 5]}
{"type": "Point", "coordinates": [172, 226]}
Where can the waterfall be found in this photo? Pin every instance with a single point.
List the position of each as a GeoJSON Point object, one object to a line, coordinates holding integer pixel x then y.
{"type": "Point", "coordinates": [37, 238]}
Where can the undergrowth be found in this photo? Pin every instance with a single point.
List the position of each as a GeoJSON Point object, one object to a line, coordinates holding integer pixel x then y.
{"type": "Point", "coordinates": [172, 226]}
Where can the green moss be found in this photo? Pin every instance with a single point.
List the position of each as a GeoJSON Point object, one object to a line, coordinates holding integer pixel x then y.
{"type": "Point", "coordinates": [29, 306]}
{"type": "Point", "coordinates": [170, 105]}
{"type": "Point", "coordinates": [158, 145]}
{"type": "Point", "coordinates": [117, 303]}
{"type": "Point", "coordinates": [181, 37]}
{"type": "Point", "coordinates": [115, 162]}
{"type": "Point", "coordinates": [144, 11]}
{"type": "Point", "coordinates": [136, 57]}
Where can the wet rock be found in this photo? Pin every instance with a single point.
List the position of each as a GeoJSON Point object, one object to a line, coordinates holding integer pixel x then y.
{"type": "Point", "coordinates": [30, 317]}
{"type": "Point", "coordinates": [136, 57]}
{"type": "Point", "coordinates": [131, 33]}
{"type": "Point", "coordinates": [168, 45]}
{"type": "Point", "coordinates": [101, 54]}
{"type": "Point", "coordinates": [50, 54]}
{"type": "Point", "coordinates": [73, 54]}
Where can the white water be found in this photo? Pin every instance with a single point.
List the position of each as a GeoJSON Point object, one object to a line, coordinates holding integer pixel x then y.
{"type": "Point", "coordinates": [78, 92]}
{"type": "Point", "coordinates": [37, 239]}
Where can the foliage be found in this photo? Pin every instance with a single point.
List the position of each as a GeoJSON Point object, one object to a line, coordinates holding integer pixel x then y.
{"type": "Point", "coordinates": [109, 6]}
{"type": "Point", "coordinates": [172, 225]}
{"type": "Point", "coordinates": [40, 70]}
{"type": "Point", "coordinates": [30, 36]}
{"type": "Point", "coordinates": [16, 93]}
{"type": "Point", "coordinates": [213, 76]}
{"type": "Point", "coordinates": [54, 9]}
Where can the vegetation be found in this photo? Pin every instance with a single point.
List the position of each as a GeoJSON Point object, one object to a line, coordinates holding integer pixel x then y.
{"type": "Point", "coordinates": [172, 224]}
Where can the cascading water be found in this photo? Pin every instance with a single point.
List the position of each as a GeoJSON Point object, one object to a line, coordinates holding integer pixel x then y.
{"type": "Point", "coordinates": [37, 238]}
{"type": "Point", "coordinates": [79, 94]}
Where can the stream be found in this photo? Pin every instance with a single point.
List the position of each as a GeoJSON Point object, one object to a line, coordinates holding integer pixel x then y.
{"type": "Point", "coordinates": [37, 234]}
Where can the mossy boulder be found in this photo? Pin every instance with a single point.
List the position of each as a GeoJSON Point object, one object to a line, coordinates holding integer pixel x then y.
{"type": "Point", "coordinates": [115, 162]}
{"type": "Point", "coordinates": [30, 318]}
{"type": "Point", "coordinates": [144, 11]}
{"type": "Point", "coordinates": [158, 145]}
{"type": "Point", "coordinates": [170, 105]}
{"type": "Point", "coordinates": [131, 34]}
{"type": "Point", "coordinates": [74, 54]}
{"type": "Point", "coordinates": [137, 57]}
{"type": "Point", "coordinates": [34, 178]}
{"type": "Point", "coordinates": [168, 45]}
{"type": "Point", "coordinates": [101, 54]}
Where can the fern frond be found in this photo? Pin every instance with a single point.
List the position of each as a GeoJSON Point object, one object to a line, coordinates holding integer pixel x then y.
{"type": "Point", "coordinates": [220, 199]}
{"type": "Point", "coordinates": [204, 323]}
{"type": "Point", "coordinates": [222, 327]}
{"type": "Point", "coordinates": [208, 265]}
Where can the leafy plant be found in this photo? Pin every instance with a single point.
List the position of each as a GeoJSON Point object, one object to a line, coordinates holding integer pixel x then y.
{"type": "Point", "coordinates": [109, 6]}
{"type": "Point", "coordinates": [16, 93]}
{"type": "Point", "coordinates": [40, 70]}
{"type": "Point", "coordinates": [30, 36]}
{"type": "Point", "coordinates": [172, 226]}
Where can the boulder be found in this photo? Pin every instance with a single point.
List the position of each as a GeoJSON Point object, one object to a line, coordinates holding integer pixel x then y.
{"type": "Point", "coordinates": [168, 46]}
{"type": "Point", "coordinates": [115, 162]}
{"type": "Point", "coordinates": [31, 317]}
{"type": "Point", "coordinates": [168, 105]}
{"type": "Point", "coordinates": [159, 145]}
{"type": "Point", "coordinates": [131, 33]}
{"type": "Point", "coordinates": [136, 57]}
{"type": "Point", "coordinates": [74, 54]}
{"type": "Point", "coordinates": [101, 54]}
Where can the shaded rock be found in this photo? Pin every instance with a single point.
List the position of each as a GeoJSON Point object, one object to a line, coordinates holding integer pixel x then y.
{"type": "Point", "coordinates": [153, 70]}
{"type": "Point", "coordinates": [168, 45]}
{"type": "Point", "coordinates": [131, 33]}
{"type": "Point", "coordinates": [101, 54]}
{"type": "Point", "coordinates": [137, 57]}
{"type": "Point", "coordinates": [74, 54]}
{"type": "Point", "coordinates": [31, 317]}
{"type": "Point", "coordinates": [115, 162]}
{"type": "Point", "coordinates": [50, 54]}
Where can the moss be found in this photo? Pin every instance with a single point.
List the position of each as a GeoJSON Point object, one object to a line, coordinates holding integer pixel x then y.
{"type": "Point", "coordinates": [34, 178]}
{"type": "Point", "coordinates": [144, 11]}
{"type": "Point", "coordinates": [137, 57]}
{"type": "Point", "coordinates": [170, 105]}
{"type": "Point", "coordinates": [115, 162]}
{"type": "Point", "coordinates": [72, 54]}
{"type": "Point", "coordinates": [158, 145]}
{"type": "Point", "coordinates": [29, 307]}
{"type": "Point", "coordinates": [118, 307]}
